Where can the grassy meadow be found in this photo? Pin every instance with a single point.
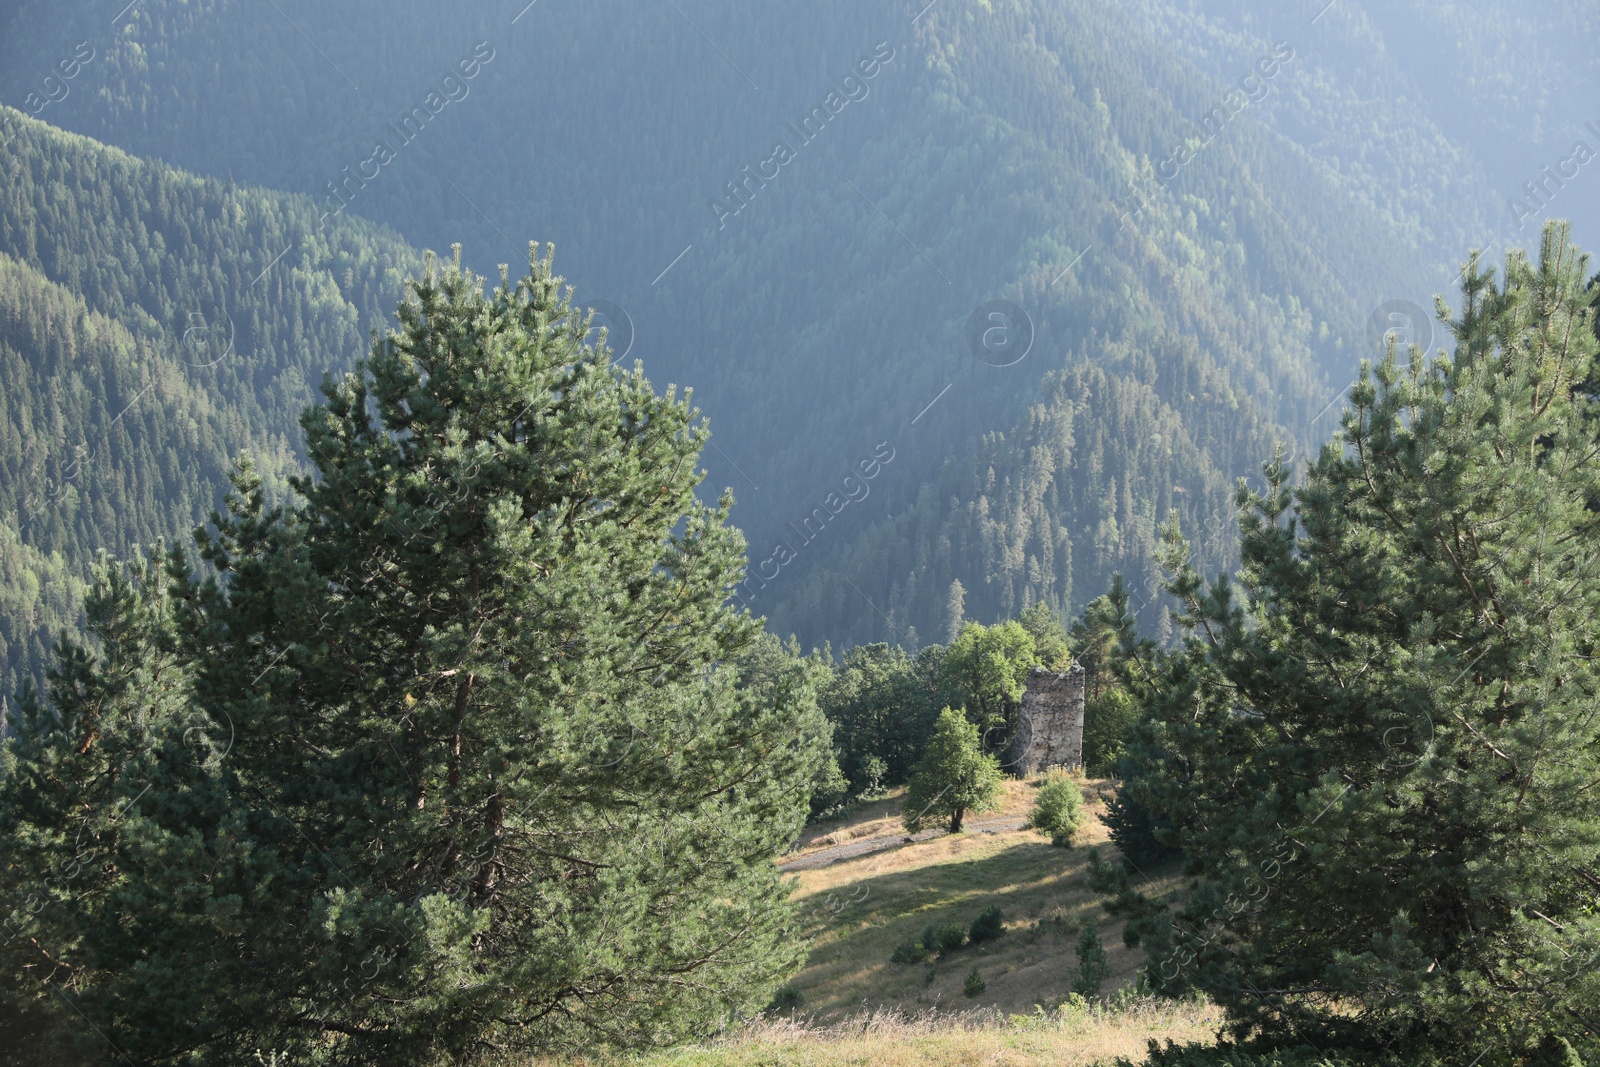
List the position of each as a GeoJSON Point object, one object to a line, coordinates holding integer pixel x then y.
{"type": "Point", "coordinates": [856, 1007]}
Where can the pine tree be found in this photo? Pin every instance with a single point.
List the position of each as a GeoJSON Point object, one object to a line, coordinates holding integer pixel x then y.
{"type": "Point", "coordinates": [955, 612]}
{"type": "Point", "coordinates": [973, 985]}
{"type": "Point", "coordinates": [490, 779]}
{"type": "Point", "coordinates": [95, 780]}
{"type": "Point", "coordinates": [1107, 720]}
{"type": "Point", "coordinates": [1100, 634]}
{"type": "Point", "coordinates": [954, 777]}
{"type": "Point", "coordinates": [1049, 638]}
{"type": "Point", "coordinates": [1381, 747]}
{"type": "Point", "coordinates": [1092, 964]}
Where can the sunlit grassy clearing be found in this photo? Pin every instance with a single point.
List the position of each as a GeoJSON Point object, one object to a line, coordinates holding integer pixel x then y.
{"type": "Point", "coordinates": [858, 910]}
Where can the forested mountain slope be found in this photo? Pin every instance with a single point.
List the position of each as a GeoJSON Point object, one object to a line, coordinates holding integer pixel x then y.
{"type": "Point", "coordinates": [1191, 206]}
{"type": "Point", "coordinates": [143, 346]}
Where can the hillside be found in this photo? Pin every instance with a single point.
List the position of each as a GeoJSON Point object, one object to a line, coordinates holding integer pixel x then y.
{"type": "Point", "coordinates": [856, 1006]}
{"type": "Point", "coordinates": [996, 152]}
{"type": "Point", "coordinates": [859, 909]}
{"type": "Point", "coordinates": [153, 326]}
{"type": "Point", "coordinates": [525, 525]}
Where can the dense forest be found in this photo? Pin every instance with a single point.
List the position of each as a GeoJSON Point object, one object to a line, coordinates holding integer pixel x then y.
{"type": "Point", "coordinates": [991, 148]}
{"type": "Point", "coordinates": [410, 653]}
{"type": "Point", "coordinates": [145, 344]}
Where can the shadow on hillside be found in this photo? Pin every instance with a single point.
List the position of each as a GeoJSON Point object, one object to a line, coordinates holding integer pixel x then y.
{"type": "Point", "coordinates": [858, 911]}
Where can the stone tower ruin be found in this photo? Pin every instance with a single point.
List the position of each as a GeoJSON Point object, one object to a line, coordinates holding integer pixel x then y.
{"type": "Point", "coordinates": [1050, 724]}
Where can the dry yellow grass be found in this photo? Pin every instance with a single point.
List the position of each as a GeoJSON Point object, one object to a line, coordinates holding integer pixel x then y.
{"type": "Point", "coordinates": [875, 819]}
{"type": "Point", "coordinates": [859, 1009]}
{"type": "Point", "coordinates": [859, 909]}
{"type": "Point", "coordinates": [969, 1039]}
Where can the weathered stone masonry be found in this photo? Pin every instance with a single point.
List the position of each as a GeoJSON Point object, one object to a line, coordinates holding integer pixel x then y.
{"type": "Point", "coordinates": [1050, 723]}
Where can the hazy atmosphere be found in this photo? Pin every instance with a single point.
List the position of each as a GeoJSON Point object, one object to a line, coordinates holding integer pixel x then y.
{"type": "Point", "coordinates": [682, 532]}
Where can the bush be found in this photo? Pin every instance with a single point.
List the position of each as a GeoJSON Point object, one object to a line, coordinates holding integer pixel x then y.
{"type": "Point", "coordinates": [913, 950]}
{"type": "Point", "coordinates": [1092, 965]}
{"type": "Point", "coordinates": [974, 985]}
{"type": "Point", "coordinates": [989, 925]}
{"type": "Point", "coordinates": [1058, 809]}
{"type": "Point", "coordinates": [950, 937]}
{"type": "Point", "coordinates": [934, 942]}
{"type": "Point", "coordinates": [786, 999]}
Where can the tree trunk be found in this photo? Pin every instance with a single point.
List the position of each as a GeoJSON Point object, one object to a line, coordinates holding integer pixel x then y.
{"type": "Point", "coordinates": [955, 820]}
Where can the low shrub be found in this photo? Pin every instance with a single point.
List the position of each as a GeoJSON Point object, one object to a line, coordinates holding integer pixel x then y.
{"type": "Point", "coordinates": [950, 937]}
{"type": "Point", "coordinates": [787, 999]}
{"type": "Point", "coordinates": [937, 941]}
{"type": "Point", "coordinates": [974, 985]}
{"type": "Point", "coordinates": [934, 942]}
{"type": "Point", "coordinates": [989, 925]}
{"type": "Point", "coordinates": [1058, 809]}
{"type": "Point", "coordinates": [912, 950]}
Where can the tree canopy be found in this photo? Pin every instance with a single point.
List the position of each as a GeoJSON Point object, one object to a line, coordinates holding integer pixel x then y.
{"type": "Point", "coordinates": [448, 753]}
{"type": "Point", "coordinates": [954, 777]}
{"type": "Point", "coordinates": [1381, 744]}
{"type": "Point", "coordinates": [985, 671]}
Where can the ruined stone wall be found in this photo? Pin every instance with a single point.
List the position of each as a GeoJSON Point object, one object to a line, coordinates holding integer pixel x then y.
{"type": "Point", "coordinates": [1050, 724]}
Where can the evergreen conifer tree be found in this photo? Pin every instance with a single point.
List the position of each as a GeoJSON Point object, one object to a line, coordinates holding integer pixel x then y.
{"type": "Point", "coordinates": [446, 755]}
{"type": "Point", "coordinates": [1093, 966]}
{"type": "Point", "coordinates": [1381, 746]}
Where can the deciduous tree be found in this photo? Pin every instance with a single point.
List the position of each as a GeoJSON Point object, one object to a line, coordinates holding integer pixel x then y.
{"type": "Point", "coordinates": [955, 776]}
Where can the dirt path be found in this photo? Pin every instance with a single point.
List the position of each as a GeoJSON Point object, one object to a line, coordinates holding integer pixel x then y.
{"type": "Point", "coordinates": [867, 845]}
